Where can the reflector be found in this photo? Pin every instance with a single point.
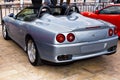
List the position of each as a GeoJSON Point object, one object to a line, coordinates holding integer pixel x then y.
{"type": "Point", "coordinates": [110, 32]}
{"type": "Point", "coordinates": [70, 37]}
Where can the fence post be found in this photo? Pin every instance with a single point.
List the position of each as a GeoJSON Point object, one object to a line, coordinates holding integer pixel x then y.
{"type": "Point", "coordinates": [1, 14]}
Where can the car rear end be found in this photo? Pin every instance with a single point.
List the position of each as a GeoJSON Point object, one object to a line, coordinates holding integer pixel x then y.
{"type": "Point", "coordinates": [82, 43]}
{"type": "Point", "coordinates": [78, 37]}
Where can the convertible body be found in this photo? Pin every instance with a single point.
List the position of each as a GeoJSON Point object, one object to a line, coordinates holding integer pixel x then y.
{"type": "Point", "coordinates": [61, 38]}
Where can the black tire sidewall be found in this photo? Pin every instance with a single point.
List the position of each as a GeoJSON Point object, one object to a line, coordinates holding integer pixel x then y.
{"type": "Point", "coordinates": [37, 57]}
{"type": "Point", "coordinates": [5, 37]}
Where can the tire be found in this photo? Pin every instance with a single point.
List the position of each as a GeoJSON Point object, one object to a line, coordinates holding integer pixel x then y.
{"type": "Point", "coordinates": [33, 55]}
{"type": "Point", "coordinates": [4, 32]}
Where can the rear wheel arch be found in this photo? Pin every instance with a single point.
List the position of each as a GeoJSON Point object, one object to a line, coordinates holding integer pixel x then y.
{"type": "Point", "coordinates": [38, 58]}
{"type": "Point", "coordinates": [28, 36]}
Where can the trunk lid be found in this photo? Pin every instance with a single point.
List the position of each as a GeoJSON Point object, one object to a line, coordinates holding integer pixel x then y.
{"type": "Point", "coordinates": [85, 29]}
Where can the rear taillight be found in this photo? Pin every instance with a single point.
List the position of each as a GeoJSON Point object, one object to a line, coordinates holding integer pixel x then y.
{"type": "Point", "coordinates": [60, 38]}
{"type": "Point", "coordinates": [110, 32]}
{"type": "Point", "coordinates": [70, 37]}
{"type": "Point", "coordinates": [115, 31]}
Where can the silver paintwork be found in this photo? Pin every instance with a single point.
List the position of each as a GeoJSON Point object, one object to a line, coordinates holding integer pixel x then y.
{"type": "Point", "coordinates": [88, 42]}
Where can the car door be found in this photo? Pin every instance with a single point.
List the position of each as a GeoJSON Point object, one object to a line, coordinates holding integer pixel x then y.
{"type": "Point", "coordinates": [10, 21]}
{"type": "Point", "coordinates": [20, 26]}
{"type": "Point", "coordinates": [19, 31]}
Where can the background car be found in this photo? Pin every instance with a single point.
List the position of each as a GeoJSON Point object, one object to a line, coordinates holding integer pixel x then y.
{"type": "Point", "coordinates": [110, 14]}
{"type": "Point", "coordinates": [59, 35]}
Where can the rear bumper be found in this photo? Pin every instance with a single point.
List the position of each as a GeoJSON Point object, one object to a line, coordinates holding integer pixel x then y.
{"type": "Point", "coordinates": [77, 51]}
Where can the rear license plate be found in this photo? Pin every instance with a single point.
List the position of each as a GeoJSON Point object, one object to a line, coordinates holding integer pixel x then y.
{"type": "Point", "coordinates": [93, 47]}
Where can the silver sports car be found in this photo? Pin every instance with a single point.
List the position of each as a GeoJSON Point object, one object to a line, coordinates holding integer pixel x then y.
{"type": "Point", "coordinates": [59, 34]}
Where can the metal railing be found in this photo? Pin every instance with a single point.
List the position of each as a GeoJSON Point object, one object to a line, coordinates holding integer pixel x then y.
{"type": "Point", "coordinates": [6, 9]}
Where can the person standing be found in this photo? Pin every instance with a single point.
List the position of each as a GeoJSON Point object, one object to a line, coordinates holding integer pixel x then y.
{"type": "Point", "coordinates": [117, 1]}
{"type": "Point", "coordinates": [97, 3]}
{"type": "Point", "coordinates": [67, 1]}
{"type": "Point", "coordinates": [37, 2]}
{"type": "Point", "coordinates": [46, 2]}
{"type": "Point", "coordinates": [54, 2]}
{"type": "Point", "coordinates": [6, 0]}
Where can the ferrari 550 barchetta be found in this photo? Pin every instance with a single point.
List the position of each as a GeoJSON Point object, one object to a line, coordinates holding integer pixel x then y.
{"type": "Point", "coordinates": [59, 34]}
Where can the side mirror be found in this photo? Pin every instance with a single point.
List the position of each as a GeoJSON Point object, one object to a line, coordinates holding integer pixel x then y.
{"type": "Point", "coordinates": [11, 15]}
{"type": "Point", "coordinates": [96, 12]}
